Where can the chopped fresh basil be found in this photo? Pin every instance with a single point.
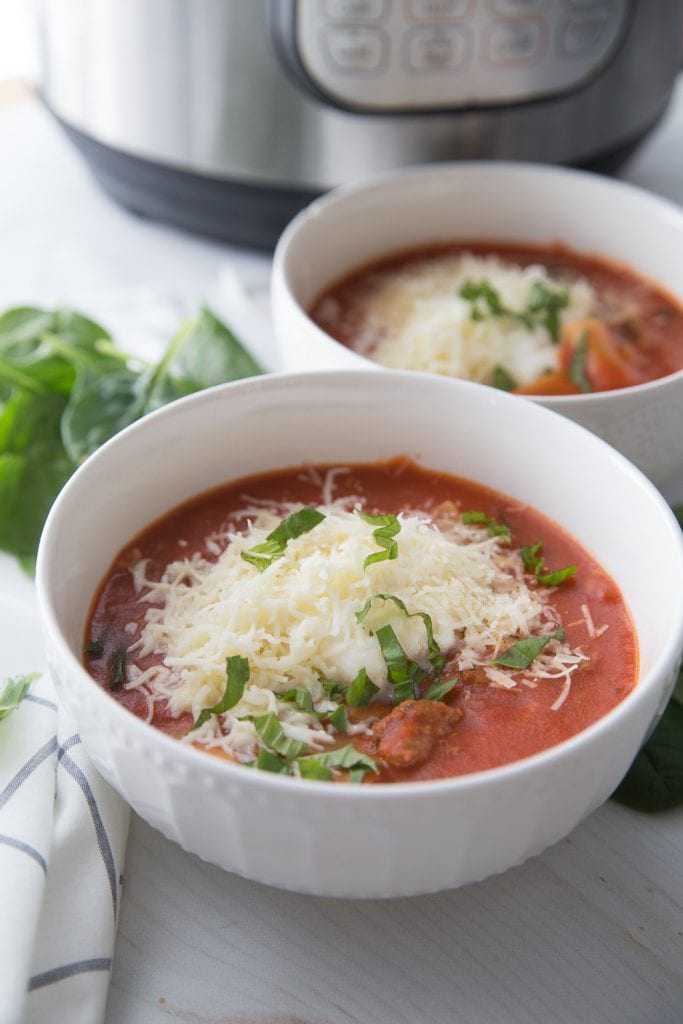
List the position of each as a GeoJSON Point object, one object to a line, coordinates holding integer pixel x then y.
{"type": "Point", "coordinates": [117, 668]}
{"type": "Point", "coordinates": [654, 782]}
{"type": "Point", "coordinates": [387, 528]}
{"type": "Point", "coordinates": [361, 691]}
{"type": "Point", "coordinates": [546, 305]}
{"type": "Point", "coordinates": [333, 690]}
{"type": "Point", "coordinates": [299, 696]}
{"type": "Point", "coordinates": [268, 761]}
{"type": "Point", "coordinates": [532, 559]}
{"type": "Point", "coordinates": [531, 556]}
{"type": "Point", "coordinates": [12, 691]}
{"type": "Point", "coordinates": [404, 674]}
{"type": "Point", "coordinates": [312, 768]}
{"type": "Point", "coordinates": [343, 758]}
{"type": "Point", "coordinates": [438, 690]}
{"type": "Point", "coordinates": [503, 380]}
{"type": "Point", "coordinates": [294, 525]}
{"type": "Point", "coordinates": [521, 654]}
{"type": "Point", "coordinates": [578, 364]}
{"type": "Point", "coordinates": [495, 529]}
{"type": "Point", "coordinates": [436, 658]}
{"type": "Point", "coordinates": [95, 649]}
{"type": "Point", "coordinates": [484, 300]}
{"type": "Point", "coordinates": [553, 579]}
{"type": "Point", "coordinates": [543, 305]}
{"type": "Point", "coordinates": [339, 719]}
{"type": "Point", "coordinates": [237, 674]}
{"type": "Point", "coordinates": [273, 736]}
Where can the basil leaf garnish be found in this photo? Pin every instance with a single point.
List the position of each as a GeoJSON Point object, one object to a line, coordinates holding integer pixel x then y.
{"type": "Point", "coordinates": [12, 692]}
{"type": "Point", "coordinates": [361, 691]}
{"type": "Point", "coordinates": [553, 579]}
{"type": "Point", "coordinates": [273, 547]}
{"type": "Point", "coordinates": [547, 305]}
{"type": "Point", "coordinates": [494, 529]}
{"type": "Point", "coordinates": [333, 690]}
{"type": "Point", "coordinates": [543, 305]}
{"type": "Point", "coordinates": [532, 559]}
{"type": "Point", "coordinates": [404, 673]}
{"type": "Point", "coordinates": [531, 556]}
{"type": "Point", "coordinates": [521, 654]}
{"type": "Point", "coordinates": [312, 768]}
{"type": "Point", "coordinates": [237, 673]}
{"type": "Point", "coordinates": [299, 696]}
{"type": "Point", "coordinates": [502, 379]}
{"type": "Point", "coordinates": [268, 761]}
{"type": "Point", "coordinates": [95, 649]}
{"type": "Point", "coordinates": [436, 658]}
{"type": "Point", "coordinates": [340, 719]}
{"type": "Point", "coordinates": [273, 736]}
{"type": "Point", "coordinates": [387, 528]}
{"type": "Point", "coordinates": [438, 690]}
{"type": "Point", "coordinates": [342, 758]}
{"type": "Point", "coordinates": [117, 668]}
{"type": "Point", "coordinates": [577, 366]}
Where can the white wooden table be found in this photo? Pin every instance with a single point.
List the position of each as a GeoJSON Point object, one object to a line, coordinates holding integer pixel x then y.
{"type": "Point", "coordinates": [590, 931]}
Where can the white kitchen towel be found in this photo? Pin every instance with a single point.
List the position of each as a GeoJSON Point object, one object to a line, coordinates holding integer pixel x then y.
{"type": "Point", "coordinates": [62, 843]}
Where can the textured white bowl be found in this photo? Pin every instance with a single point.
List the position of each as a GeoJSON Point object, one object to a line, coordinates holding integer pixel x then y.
{"type": "Point", "coordinates": [518, 202]}
{"type": "Point", "coordinates": [361, 841]}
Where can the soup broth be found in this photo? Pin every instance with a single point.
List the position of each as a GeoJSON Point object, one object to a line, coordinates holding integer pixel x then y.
{"type": "Point", "coordinates": [361, 623]}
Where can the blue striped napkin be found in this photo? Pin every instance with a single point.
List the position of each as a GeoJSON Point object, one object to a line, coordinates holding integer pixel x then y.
{"type": "Point", "coordinates": [62, 843]}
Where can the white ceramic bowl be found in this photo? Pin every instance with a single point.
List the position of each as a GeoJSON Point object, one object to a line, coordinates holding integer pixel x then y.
{"type": "Point", "coordinates": [520, 202]}
{"type": "Point", "coordinates": [361, 841]}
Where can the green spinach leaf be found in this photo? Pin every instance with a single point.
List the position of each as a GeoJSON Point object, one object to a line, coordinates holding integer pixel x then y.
{"type": "Point", "coordinates": [654, 782]}
{"type": "Point", "coordinates": [65, 388]}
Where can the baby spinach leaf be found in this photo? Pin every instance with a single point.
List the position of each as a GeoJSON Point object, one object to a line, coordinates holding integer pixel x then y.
{"type": "Point", "coordinates": [65, 388]}
{"type": "Point", "coordinates": [100, 408]}
{"type": "Point", "coordinates": [654, 782]}
{"type": "Point", "coordinates": [204, 352]}
{"type": "Point", "coordinates": [13, 689]}
{"type": "Point", "coordinates": [33, 467]}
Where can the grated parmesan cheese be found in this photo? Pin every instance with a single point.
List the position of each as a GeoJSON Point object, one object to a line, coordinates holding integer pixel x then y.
{"type": "Point", "coordinates": [416, 319]}
{"type": "Point", "coordinates": [296, 621]}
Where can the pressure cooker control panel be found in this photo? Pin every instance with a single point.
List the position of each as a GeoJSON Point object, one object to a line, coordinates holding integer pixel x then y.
{"type": "Point", "coordinates": [408, 55]}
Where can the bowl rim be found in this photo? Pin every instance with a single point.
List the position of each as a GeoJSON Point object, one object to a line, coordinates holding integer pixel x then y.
{"type": "Point", "coordinates": [342, 194]}
{"type": "Point", "coordinates": [666, 660]}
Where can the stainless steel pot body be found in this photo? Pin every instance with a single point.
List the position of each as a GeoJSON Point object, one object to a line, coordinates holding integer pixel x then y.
{"type": "Point", "coordinates": [202, 86]}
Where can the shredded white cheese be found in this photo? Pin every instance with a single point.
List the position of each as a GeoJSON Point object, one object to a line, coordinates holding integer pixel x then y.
{"type": "Point", "coordinates": [414, 318]}
{"type": "Point", "coordinates": [296, 622]}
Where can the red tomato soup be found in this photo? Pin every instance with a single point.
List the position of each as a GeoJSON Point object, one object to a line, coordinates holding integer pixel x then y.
{"type": "Point", "coordinates": [534, 320]}
{"type": "Point", "coordinates": [361, 623]}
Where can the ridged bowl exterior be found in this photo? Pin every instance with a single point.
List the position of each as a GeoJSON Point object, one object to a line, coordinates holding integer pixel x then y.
{"type": "Point", "coordinates": [361, 841]}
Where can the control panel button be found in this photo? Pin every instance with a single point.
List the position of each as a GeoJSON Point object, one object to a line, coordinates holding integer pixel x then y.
{"type": "Point", "coordinates": [355, 10]}
{"type": "Point", "coordinates": [509, 8]}
{"type": "Point", "coordinates": [438, 9]}
{"type": "Point", "coordinates": [355, 49]}
{"type": "Point", "coordinates": [512, 41]}
{"type": "Point", "coordinates": [436, 49]}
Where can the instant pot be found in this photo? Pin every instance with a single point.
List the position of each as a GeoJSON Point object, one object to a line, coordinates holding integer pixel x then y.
{"type": "Point", "coordinates": [226, 117]}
